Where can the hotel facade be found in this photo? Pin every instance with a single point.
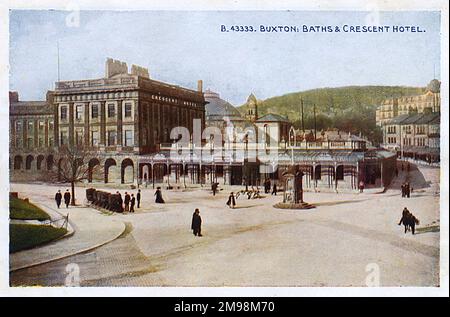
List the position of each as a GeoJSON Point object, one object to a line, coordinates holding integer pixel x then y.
{"type": "Point", "coordinates": [125, 120]}
{"type": "Point", "coordinates": [411, 124]}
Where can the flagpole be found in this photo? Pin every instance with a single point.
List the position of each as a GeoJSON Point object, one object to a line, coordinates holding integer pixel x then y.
{"type": "Point", "coordinates": [57, 47]}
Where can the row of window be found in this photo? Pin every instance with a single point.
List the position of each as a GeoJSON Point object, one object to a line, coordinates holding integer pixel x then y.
{"type": "Point", "coordinates": [421, 142]}
{"type": "Point", "coordinates": [96, 96]}
{"type": "Point", "coordinates": [95, 112]}
{"type": "Point", "coordinates": [392, 140]}
{"type": "Point", "coordinates": [30, 142]}
{"type": "Point", "coordinates": [391, 129]}
{"type": "Point", "coordinates": [416, 98]}
{"type": "Point", "coordinates": [30, 126]}
{"type": "Point", "coordinates": [111, 138]}
{"type": "Point", "coordinates": [410, 141]}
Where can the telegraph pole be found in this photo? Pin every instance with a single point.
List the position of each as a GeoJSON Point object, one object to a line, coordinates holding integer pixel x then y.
{"type": "Point", "coordinates": [315, 124]}
{"type": "Point", "coordinates": [57, 48]}
{"type": "Point", "coordinates": [303, 119]}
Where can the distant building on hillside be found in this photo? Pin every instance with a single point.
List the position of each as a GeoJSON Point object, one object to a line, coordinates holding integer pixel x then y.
{"type": "Point", "coordinates": [428, 102]}
{"type": "Point", "coordinates": [414, 135]}
{"type": "Point", "coordinates": [411, 124]}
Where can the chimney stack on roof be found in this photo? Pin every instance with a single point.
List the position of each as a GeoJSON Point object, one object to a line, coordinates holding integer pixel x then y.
{"type": "Point", "coordinates": [115, 67]}
{"type": "Point", "coordinates": [13, 96]}
{"type": "Point", "coordinates": [200, 86]}
{"type": "Point", "coordinates": [139, 71]}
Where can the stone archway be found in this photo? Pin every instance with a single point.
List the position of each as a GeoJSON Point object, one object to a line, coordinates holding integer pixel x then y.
{"type": "Point", "coordinates": [39, 161]}
{"type": "Point", "coordinates": [93, 174]}
{"type": "Point", "coordinates": [50, 162]}
{"type": "Point", "coordinates": [111, 171]}
{"type": "Point", "coordinates": [29, 161]}
{"type": "Point", "coordinates": [145, 173]}
{"type": "Point", "coordinates": [127, 171]}
{"type": "Point", "coordinates": [18, 161]}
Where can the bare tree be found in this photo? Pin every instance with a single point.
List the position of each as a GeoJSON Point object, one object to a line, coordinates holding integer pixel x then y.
{"type": "Point", "coordinates": [73, 164]}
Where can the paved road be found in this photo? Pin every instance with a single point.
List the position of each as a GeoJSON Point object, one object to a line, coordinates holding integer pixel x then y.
{"type": "Point", "coordinates": [257, 245]}
{"type": "Point", "coordinates": [91, 229]}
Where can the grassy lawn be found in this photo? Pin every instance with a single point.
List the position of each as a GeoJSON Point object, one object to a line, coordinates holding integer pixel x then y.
{"type": "Point", "coordinates": [26, 236]}
{"type": "Point", "coordinates": [19, 209]}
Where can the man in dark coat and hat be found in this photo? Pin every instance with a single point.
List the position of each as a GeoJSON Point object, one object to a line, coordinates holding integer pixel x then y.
{"type": "Point", "coordinates": [214, 187]}
{"type": "Point", "coordinates": [67, 198]}
{"type": "Point", "coordinates": [58, 198]}
{"type": "Point", "coordinates": [132, 202]}
{"type": "Point", "coordinates": [126, 201]}
{"type": "Point", "coordinates": [196, 223]}
{"type": "Point", "coordinates": [120, 202]}
{"type": "Point", "coordinates": [274, 191]}
{"type": "Point", "coordinates": [138, 198]}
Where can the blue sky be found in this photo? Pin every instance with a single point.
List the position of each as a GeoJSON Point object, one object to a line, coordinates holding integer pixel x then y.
{"type": "Point", "coordinates": [181, 47]}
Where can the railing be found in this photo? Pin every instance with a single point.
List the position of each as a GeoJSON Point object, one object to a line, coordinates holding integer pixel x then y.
{"type": "Point", "coordinates": [76, 84]}
{"type": "Point", "coordinates": [58, 222]}
{"type": "Point", "coordinates": [310, 145]}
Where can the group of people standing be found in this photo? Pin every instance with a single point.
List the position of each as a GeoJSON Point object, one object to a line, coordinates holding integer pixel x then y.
{"type": "Point", "coordinates": [129, 201]}
{"type": "Point", "coordinates": [59, 196]}
{"type": "Point", "coordinates": [406, 190]}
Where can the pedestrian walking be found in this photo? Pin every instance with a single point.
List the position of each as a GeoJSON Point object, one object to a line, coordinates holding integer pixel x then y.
{"type": "Point", "coordinates": [231, 201]}
{"type": "Point", "coordinates": [274, 190]}
{"type": "Point", "coordinates": [67, 198]}
{"type": "Point", "coordinates": [196, 225]}
{"type": "Point", "coordinates": [159, 199]}
{"type": "Point", "coordinates": [245, 184]}
{"type": "Point", "coordinates": [138, 198]}
{"type": "Point", "coordinates": [132, 202]}
{"type": "Point", "coordinates": [408, 190]}
{"type": "Point", "coordinates": [403, 190]}
{"type": "Point", "coordinates": [214, 187]}
{"type": "Point", "coordinates": [361, 186]}
{"type": "Point", "coordinates": [58, 198]}
{"type": "Point", "coordinates": [126, 201]}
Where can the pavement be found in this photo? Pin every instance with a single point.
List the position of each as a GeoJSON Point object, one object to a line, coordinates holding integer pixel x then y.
{"type": "Point", "coordinates": [88, 229]}
{"type": "Point", "coordinates": [335, 244]}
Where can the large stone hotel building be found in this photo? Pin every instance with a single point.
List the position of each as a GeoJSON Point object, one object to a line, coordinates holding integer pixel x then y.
{"type": "Point", "coordinates": [411, 124]}
{"type": "Point", "coordinates": [125, 121]}
{"type": "Point", "coordinates": [120, 116]}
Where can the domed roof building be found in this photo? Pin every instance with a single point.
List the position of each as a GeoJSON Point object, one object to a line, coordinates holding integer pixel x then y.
{"type": "Point", "coordinates": [217, 109]}
{"type": "Point", "coordinates": [434, 86]}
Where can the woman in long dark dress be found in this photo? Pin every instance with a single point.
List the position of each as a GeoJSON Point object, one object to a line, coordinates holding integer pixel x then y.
{"type": "Point", "coordinates": [158, 194]}
{"type": "Point", "coordinates": [197, 223]}
{"type": "Point", "coordinates": [231, 201]}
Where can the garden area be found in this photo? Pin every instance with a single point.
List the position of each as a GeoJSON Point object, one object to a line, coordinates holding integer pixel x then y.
{"type": "Point", "coordinates": [22, 210]}
{"type": "Point", "coordinates": [23, 235]}
{"type": "Point", "coordinates": [26, 236]}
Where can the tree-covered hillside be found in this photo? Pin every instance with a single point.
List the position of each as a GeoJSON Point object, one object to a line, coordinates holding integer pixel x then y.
{"type": "Point", "coordinates": [347, 108]}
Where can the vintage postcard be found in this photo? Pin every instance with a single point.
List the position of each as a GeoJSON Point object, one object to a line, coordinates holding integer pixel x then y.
{"type": "Point", "coordinates": [222, 149]}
